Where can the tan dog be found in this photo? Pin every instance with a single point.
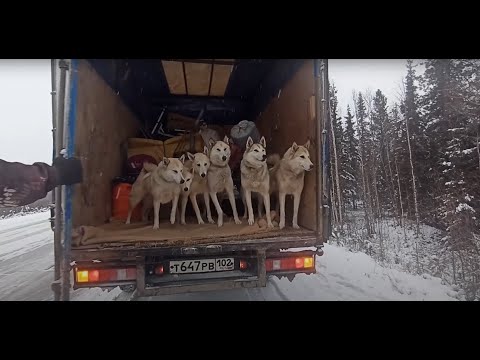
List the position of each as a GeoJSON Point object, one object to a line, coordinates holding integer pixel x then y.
{"type": "Point", "coordinates": [220, 177]}
{"type": "Point", "coordinates": [255, 178]}
{"type": "Point", "coordinates": [162, 184]}
{"type": "Point", "coordinates": [287, 177]}
{"type": "Point", "coordinates": [197, 166]}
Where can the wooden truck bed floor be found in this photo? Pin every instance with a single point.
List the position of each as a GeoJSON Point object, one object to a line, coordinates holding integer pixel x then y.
{"type": "Point", "coordinates": [118, 234]}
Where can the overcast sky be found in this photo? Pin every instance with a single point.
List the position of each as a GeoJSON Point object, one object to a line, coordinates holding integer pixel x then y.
{"type": "Point", "coordinates": [362, 74]}
{"type": "Point", "coordinates": [26, 108]}
{"type": "Point", "coordinates": [25, 111]}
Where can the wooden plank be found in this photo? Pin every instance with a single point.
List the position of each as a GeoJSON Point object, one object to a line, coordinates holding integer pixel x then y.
{"type": "Point", "coordinates": [288, 118]}
{"type": "Point", "coordinates": [221, 76]}
{"type": "Point", "coordinates": [129, 251]}
{"type": "Point", "coordinates": [198, 78]}
{"type": "Point", "coordinates": [174, 73]}
{"type": "Point", "coordinates": [104, 122]}
{"type": "Point", "coordinates": [208, 61]}
{"type": "Point", "coordinates": [176, 234]}
{"type": "Point", "coordinates": [141, 237]}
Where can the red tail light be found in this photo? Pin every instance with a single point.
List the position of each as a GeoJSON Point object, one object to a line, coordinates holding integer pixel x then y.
{"type": "Point", "coordinates": [159, 270]}
{"type": "Point", "coordinates": [290, 263]}
{"type": "Point", "coordinates": [105, 275]}
{"type": "Point", "coordinates": [94, 275]}
{"type": "Point", "coordinates": [243, 265]}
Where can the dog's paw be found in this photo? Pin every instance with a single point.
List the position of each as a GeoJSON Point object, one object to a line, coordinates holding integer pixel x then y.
{"type": "Point", "coordinates": [238, 221]}
{"type": "Point", "coordinates": [281, 225]}
{"type": "Point", "coordinates": [156, 227]}
{"type": "Point", "coordinates": [127, 222]}
{"type": "Point", "coordinates": [251, 221]}
{"type": "Point", "coordinates": [201, 222]}
{"type": "Point", "coordinates": [211, 221]}
{"type": "Point", "coordinates": [220, 224]}
{"type": "Point", "coordinates": [270, 225]}
{"type": "Point", "coordinates": [295, 226]}
{"type": "Point", "coordinates": [183, 222]}
{"type": "Point", "coordinates": [172, 221]}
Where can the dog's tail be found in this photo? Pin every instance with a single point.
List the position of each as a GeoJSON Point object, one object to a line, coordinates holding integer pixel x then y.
{"type": "Point", "coordinates": [273, 159]}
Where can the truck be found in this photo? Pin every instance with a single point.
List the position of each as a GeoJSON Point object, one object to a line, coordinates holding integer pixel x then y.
{"type": "Point", "coordinates": [98, 104]}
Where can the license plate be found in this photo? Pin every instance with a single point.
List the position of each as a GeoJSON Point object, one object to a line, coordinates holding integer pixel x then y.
{"type": "Point", "coordinates": [201, 265]}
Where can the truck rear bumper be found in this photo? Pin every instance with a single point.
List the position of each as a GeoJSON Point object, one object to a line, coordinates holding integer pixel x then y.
{"type": "Point", "coordinates": [207, 286]}
{"type": "Point", "coordinates": [150, 272]}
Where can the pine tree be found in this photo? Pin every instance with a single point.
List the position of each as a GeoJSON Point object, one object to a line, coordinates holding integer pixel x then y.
{"type": "Point", "coordinates": [380, 126]}
{"type": "Point", "coordinates": [350, 162]}
{"type": "Point", "coordinates": [397, 152]}
{"type": "Point", "coordinates": [450, 86]}
{"type": "Point", "coordinates": [415, 134]}
{"type": "Point", "coordinates": [365, 154]}
{"type": "Point", "coordinates": [336, 159]}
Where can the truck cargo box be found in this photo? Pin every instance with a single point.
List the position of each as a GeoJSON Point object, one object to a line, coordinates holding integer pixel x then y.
{"type": "Point", "coordinates": [109, 102]}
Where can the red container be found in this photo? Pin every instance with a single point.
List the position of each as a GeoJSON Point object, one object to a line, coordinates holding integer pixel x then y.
{"type": "Point", "coordinates": [120, 203]}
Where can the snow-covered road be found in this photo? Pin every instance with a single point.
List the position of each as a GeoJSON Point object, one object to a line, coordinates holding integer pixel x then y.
{"type": "Point", "coordinates": [26, 272]}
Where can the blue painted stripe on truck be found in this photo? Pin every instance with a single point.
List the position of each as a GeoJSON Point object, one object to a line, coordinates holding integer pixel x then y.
{"type": "Point", "coordinates": [72, 114]}
{"type": "Point", "coordinates": [70, 146]}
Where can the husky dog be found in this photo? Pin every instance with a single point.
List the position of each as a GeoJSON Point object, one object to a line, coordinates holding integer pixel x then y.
{"type": "Point", "coordinates": [184, 191]}
{"type": "Point", "coordinates": [197, 167]}
{"type": "Point", "coordinates": [162, 184]}
{"type": "Point", "coordinates": [255, 177]}
{"type": "Point", "coordinates": [287, 177]}
{"type": "Point", "coordinates": [219, 177]}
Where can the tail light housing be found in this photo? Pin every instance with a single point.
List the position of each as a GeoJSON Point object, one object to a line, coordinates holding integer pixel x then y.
{"type": "Point", "coordinates": [90, 275]}
{"type": "Point", "coordinates": [290, 263]}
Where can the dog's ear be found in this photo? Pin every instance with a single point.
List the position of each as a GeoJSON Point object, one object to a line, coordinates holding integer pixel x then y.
{"type": "Point", "coordinates": [191, 169]}
{"type": "Point", "coordinates": [263, 142]}
{"type": "Point", "coordinates": [149, 167]}
{"type": "Point", "coordinates": [249, 142]}
{"type": "Point", "coordinates": [226, 140]}
{"type": "Point", "coordinates": [165, 161]}
{"type": "Point", "coordinates": [307, 144]}
{"type": "Point", "coordinates": [294, 146]}
{"type": "Point", "coordinates": [211, 142]}
{"type": "Point", "coordinates": [182, 159]}
{"type": "Point", "coordinates": [205, 150]}
{"type": "Point", "coordinates": [190, 156]}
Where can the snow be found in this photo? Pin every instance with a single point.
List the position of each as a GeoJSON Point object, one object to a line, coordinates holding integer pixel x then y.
{"type": "Point", "coordinates": [463, 207]}
{"type": "Point", "coordinates": [469, 151]}
{"type": "Point", "coordinates": [17, 239]}
{"type": "Point", "coordinates": [26, 273]}
{"type": "Point", "coordinates": [26, 261]}
{"type": "Point", "coordinates": [399, 247]}
{"type": "Point", "coordinates": [345, 275]}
